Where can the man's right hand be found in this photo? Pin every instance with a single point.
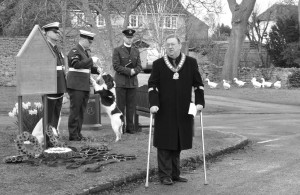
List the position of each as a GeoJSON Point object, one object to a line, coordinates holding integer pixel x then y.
{"type": "Point", "coordinates": [154, 109]}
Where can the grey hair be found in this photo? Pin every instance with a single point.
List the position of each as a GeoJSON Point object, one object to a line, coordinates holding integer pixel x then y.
{"type": "Point", "coordinates": [173, 36]}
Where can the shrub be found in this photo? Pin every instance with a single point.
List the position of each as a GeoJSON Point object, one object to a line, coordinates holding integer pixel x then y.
{"type": "Point", "coordinates": [294, 79]}
{"type": "Point", "coordinates": [31, 114]}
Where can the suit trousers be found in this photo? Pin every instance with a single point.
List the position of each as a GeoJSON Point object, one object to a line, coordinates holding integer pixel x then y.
{"type": "Point", "coordinates": [78, 103]}
{"type": "Point", "coordinates": [126, 102]}
{"type": "Point", "coordinates": [168, 163]}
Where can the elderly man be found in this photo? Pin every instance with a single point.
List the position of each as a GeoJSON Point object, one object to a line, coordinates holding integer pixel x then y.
{"type": "Point", "coordinates": [171, 82]}
{"type": "Point", "coordinates": [81, 65]}
{"type": "Point", "coordinates": [54, 101]}
{"type": "Point", "coordinates": [127, 64]}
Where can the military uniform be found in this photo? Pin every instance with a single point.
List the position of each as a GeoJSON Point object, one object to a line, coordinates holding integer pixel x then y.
{"type": "Point", "coordinates": [54, 101]}
{"type": "Point", "coordinates": [78, 84]}
{"type": "Point", "coordinates": [171, 92]}
{"type": "Point", "coordinates": [124, 59]}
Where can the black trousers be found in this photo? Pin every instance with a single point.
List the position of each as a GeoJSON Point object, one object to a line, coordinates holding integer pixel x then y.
{"type": "Point", "coordinates": [78, 103]}
{"type": "Point", "coordinates": [168, 163]}
{"type": "Point", "coordinates": [126, 102]}
{"type": "Point", "coordinates": [54, 108]}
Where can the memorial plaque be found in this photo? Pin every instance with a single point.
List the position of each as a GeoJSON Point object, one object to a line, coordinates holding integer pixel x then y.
{"type": "Point", "coordinates": [36, 66]}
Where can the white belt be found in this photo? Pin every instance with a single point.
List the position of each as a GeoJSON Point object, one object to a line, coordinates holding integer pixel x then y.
{"type": "Point", "coordinates": [59, 68]}
{"type": "Point", "coordinates": [80, 70]}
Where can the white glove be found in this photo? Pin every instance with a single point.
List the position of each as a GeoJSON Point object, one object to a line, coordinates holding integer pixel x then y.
{"type": "Point", "coordinates": [199, 107]}
{"type": "Point", "coordinates": [154, 109]}
{"type": "Point", "coordinates": [95, 59]}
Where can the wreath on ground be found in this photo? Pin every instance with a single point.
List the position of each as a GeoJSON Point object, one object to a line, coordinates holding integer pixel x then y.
{"type": "Point", "coordinates": [24, 153]}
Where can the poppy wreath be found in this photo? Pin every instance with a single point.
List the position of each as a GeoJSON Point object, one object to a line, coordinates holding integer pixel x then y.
{"type": "Point", "coordinates": [15, 159]}
{"type": "Point", "coordinates": [22, 150]}
{"type": "Point", "coordinates": [53, 139]}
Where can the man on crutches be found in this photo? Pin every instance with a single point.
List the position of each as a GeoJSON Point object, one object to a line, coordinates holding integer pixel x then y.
{"type": "Point", "coordinates": [170, 84]}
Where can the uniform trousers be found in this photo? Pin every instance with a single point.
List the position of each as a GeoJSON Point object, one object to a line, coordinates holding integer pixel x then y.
{"type": "Point", "coordinates": [54, 105]}
{"type": "Point", "coordinates": [78, 103]}
{"type": "Point", "coordinates": [54, 108]}
{"type": "Point", "coordinates": [168, 163]}
{"type": "Point", "coordinates": [126, 102]}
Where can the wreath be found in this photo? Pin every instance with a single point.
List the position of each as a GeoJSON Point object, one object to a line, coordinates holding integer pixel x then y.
{"type": "Point", "coordinates": [24, 151]}
{"type": "Point", "coordinates": [53, 139]}
{"type": "Point", "coordinates": [58, 152]}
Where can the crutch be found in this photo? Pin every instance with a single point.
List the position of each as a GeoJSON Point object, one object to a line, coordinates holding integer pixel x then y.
{"type": "Point", "coordinates": [203, 149]}
{"type": "Point", "coordinates": [149, 147]}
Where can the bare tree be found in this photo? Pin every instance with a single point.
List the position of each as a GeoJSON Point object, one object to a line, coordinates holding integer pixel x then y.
{"type": "Point", "coordinates": [157, 15]}
{"type": "Point", "coordinates": [240, 15]}
{"type": "Point", "coordinates": [299, 13]}
{"type": "Point", "coordinates": [257, 33]}
{"type": "Point", "coordinates": [105, 41]}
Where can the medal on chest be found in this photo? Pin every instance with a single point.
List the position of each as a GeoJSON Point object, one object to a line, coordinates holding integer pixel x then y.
{"type": "Point", "coordinates": [175, 70]}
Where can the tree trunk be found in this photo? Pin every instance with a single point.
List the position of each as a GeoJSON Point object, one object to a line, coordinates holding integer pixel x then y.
{"type": "Point", "coordinates": [63, 5]}
{"type": "Point", "coordinates": [240, 15]}
{"type": "Point", "coordinates": [299, 14]}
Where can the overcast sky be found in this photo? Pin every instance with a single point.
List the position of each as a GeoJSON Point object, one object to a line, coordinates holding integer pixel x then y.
{"type": "Point", "coordinates": [262, 5]}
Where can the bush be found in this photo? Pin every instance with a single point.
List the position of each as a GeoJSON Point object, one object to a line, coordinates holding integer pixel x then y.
{"type": "Point", "coordinates": [294, 79]}
{"type": "Point", "coordinates": [31, 114]}
{"type": "Point", "coordinates": [282, 43]}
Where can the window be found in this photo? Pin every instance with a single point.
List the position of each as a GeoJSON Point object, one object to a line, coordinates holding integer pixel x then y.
{"type": "Point", "coordinates": [77, 18]}
{"type": "Point", "coordinates": [135, 21]}
{"type": "Point", "coordinates": [100, 20]}
{"type": "Point", "coordinates": [170, 22]}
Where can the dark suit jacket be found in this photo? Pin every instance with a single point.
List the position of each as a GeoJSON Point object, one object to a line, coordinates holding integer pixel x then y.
{"type": "Point", "coordinates": [78, 59]}
{"type": "Point", "coordinates": [123, 62]}
{"type": "Point", "coordinates": [173, 124]}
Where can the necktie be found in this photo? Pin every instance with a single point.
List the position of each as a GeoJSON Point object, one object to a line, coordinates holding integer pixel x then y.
{"type": "Point", "coordinates": [174, 63]}
{"type": "Point", "coordinates": [87, 52]}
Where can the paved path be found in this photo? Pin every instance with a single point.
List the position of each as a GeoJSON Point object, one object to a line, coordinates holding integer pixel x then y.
{"type": "Point", "coordinates": [269, 166]}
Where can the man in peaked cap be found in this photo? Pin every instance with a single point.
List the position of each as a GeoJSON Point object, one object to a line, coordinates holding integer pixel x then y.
{"type": "Point", "coordinates": [81, 65]}
{"type": "Point", "coordinates": [55, 101]}
{"type": "Point", "coordinates": [127, 64]}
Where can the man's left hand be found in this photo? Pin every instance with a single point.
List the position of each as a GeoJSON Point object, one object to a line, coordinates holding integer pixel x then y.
{"type": "Point", "coordinates": [132, 72]}
{"type": "Point", "coordinates": [199, 107]}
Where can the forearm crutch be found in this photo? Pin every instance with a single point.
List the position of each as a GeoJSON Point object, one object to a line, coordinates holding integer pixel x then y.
{"type": "Point", "coordinates": [203, 149]}
{"type": "Point", "coordinates": [149, 147]}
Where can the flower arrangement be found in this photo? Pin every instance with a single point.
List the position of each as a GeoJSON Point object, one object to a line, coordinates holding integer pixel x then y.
{"type": "Point", "coordinates": [31, 114]}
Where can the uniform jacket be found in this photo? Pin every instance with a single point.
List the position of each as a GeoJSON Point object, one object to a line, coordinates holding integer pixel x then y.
{"type": "Point", "coordinates": [79, 60]}
{"type": "Point", "coordinates": [173, 124]}
{"type": "Point", "coordinates": [61, 79]}
{"type": "Point", "coordinates": [123, 62]}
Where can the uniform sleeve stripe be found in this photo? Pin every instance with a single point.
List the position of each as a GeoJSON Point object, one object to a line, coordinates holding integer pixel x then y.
{"type": "Point", "coordinates": [200, 87]}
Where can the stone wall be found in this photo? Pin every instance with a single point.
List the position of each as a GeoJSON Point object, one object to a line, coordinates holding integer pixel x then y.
{"type": "Point", "coordinates": [9, 48]}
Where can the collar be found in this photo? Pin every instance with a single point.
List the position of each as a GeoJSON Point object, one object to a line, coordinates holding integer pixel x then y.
{"type": "Point", "coordinates": [126, 45]}
{"type": "Point", "coordinates": [176, 59]}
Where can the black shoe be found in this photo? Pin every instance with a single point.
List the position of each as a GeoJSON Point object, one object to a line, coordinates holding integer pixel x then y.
{"type": "Point", "coordinates": [74, 138]}
{"type": "Point", "coordinates": [167, 181]}
{"type": "Point", "coordinates": [130, 132]}
{"type": "Point", "coordinates": [180, 179]}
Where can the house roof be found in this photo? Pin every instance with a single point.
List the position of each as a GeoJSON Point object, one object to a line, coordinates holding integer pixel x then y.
{"type": "Point", "coordinates": [278, 11]}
